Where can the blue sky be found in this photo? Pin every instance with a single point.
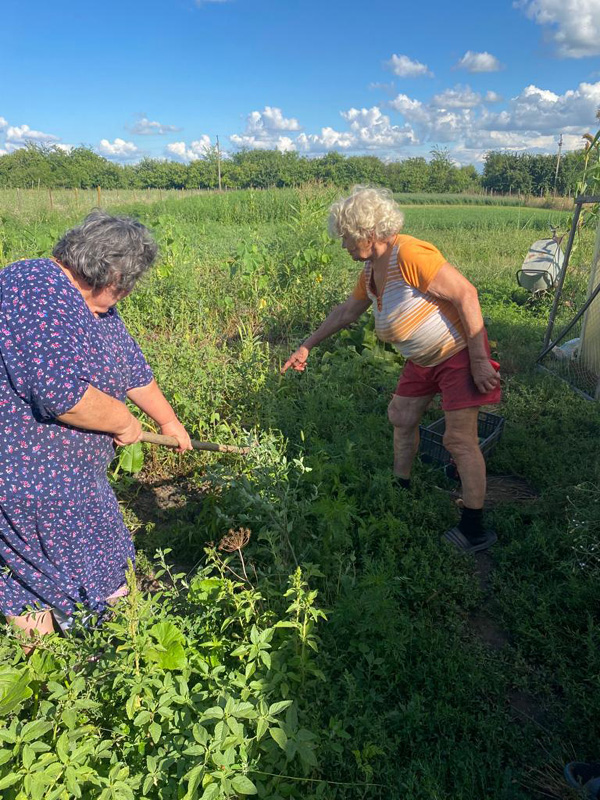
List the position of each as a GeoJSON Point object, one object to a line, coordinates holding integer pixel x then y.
{"type": "Point", "coordinates": [162, 79]}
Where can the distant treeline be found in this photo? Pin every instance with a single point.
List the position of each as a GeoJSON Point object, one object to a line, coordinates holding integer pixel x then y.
{"type": "Point", "coordinates": [82, 168]}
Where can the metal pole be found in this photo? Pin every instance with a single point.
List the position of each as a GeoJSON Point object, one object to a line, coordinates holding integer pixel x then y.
{"type": "Point", "coordinates": [575, 319]}
{"type": "Point", "coordinates": [560, 144]}
{"type": "Point", "coordinates": [561, 280]}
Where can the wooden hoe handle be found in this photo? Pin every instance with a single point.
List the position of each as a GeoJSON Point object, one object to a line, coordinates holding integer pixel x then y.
{"type": "Point", "coordinates": [171, 441]}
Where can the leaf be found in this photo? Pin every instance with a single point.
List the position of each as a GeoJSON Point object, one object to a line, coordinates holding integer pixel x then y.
{"type": "Point", "coordinates": [307, 755]}
{"type": "Point", "coordinates": [8, 780]}
{"type": "Point", "coordinates": [216, 712]}
{"type": "Point", "coordinates": [265, 658]}
{"type": "Point", "coordinates": [131, 458]}
{"type": "Point", "coordinates": [155, 732]}
{"type": "Point", "coordinates": [244, 711]}
{"type": "Point", "coordinates": [194, 777]}
{"type": "Point", "coordinates": [35, 730]}
{"type": "Point", "coordinates": [132, 704]}
{"type": "Point", "coordinates": [211, 791]}
{"type": "Point", "coordinates": [279, 735]}
{"type": "Point", "coordinates": [261, 728]}
{"type": "Point", "coordinates": [243, 785]}
{"type": "Point", "coordinates": [277, 708]}
{"type": "Point", "coordinates": [170, 653]}
{"type": "Point", "coordinates": [142, 718]}
{"type": "Point", "coordinates": [14, 689]}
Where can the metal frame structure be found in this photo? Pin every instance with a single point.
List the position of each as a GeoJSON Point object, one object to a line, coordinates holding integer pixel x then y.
{"type": "Point", "coordinates": [549, 344]}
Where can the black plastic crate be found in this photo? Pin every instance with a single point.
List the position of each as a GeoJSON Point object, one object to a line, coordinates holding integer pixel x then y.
{"type": "Point", "coordinates": [431, 447]}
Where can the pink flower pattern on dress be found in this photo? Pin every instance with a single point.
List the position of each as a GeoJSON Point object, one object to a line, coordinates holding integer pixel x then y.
{"type": "Point", "coordinates": [63, 540]}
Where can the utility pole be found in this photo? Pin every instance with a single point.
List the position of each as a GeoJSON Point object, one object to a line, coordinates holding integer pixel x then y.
{"type": "Point", "coordinates": [219, 163]}
{"type": "Point", "coordinates": [560, 144]}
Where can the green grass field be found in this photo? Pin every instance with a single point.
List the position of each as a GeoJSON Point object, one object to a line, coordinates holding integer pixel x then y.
{"type": "Point", "coordinates": [432, 675]}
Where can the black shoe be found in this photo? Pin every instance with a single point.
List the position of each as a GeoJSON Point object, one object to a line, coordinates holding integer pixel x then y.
{"type": "Point", "coordinates": [470, 544]}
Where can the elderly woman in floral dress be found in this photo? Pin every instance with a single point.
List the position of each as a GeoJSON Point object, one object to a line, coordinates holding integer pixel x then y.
{"type": "Point", "coordinates": [67, 365]}
{"type": "Point", "coordinates": [431, 313]}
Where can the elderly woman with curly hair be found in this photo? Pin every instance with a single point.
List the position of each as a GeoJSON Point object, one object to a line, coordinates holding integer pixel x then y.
{"type": "Point", "coordinates": [431, 313]}
{"type": "Point", "coordinates": [67, 365]}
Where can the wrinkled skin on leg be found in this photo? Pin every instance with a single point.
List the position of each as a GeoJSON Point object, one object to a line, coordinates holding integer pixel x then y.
{"type": "Point", "coordinates": [461, 441]}
{"type": "Point", "coordinates": [405, 415]}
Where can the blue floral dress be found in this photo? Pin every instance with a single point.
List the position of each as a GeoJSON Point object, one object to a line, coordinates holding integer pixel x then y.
{"type": "Point", "coordinates": [62, 536]}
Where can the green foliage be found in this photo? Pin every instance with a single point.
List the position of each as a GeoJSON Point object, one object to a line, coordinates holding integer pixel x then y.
{"type": "Point", "coordinates": [188, 706]}
{"type": "Point", "coordinates": [236, 677]}
{"type": "Point", "coordinates": [525, 173]}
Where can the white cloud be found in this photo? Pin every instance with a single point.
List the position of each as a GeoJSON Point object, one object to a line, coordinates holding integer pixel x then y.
{"type": "Point", "coordinates": [405, 67]}
{"type": "Point", "coordinates": [369, 131]}
{"type": "Point", "coordinates": [244, 140]}
{"type": "Point", "coordinates": [479, 62]}
{"type": "Point", "coordinates": [145, 127]}
{"type": "Point", "coordinates": [373, 130]}
{"type": "Point", "coordinates": [19, 135]}
{"type": "Point", "coordinates": [328, 139]}
{"type": "Point", "coordinates": [574, 25]}
{"type": "Point", "coordinates": [270, 119]}
{"type": "Point", "coordinates": [195, 150]}
{"type": "Point", "coordinates": [3, 123]}
{"type": "Point", "coordinates": [531, 122]}
{"type": "Point", "coordinates": [119, 150]}
{"type": "Point", "coordinates": [459, 97]}
{"type": "Point", "coordinates": [266, 130]}
{"type": "Point", "coordinates": [541, 110]}
{"type": "Point", "coordinates": [388, 88]}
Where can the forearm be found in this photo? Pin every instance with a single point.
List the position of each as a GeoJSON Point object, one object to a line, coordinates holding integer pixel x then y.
{"type": "Point", "coordinates": [472, 320]}
{"type": "Point", "coordinates": [336, 320]}
{"type": "Point", "coordinates": [97, 411]}
{"type": "Point", "coordinates": [152, 402]}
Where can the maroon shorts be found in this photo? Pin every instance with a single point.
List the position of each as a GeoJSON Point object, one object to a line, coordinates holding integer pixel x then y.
{"type": "Point", "coordinates": [452, 379]}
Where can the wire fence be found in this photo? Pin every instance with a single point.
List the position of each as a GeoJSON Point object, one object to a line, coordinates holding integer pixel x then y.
{"type": "Point", "coordinates": [573, 346]}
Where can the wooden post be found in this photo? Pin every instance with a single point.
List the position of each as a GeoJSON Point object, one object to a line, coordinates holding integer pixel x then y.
{"type": "Point", "coordinates": [51, 200]}
{"type": "Point", "coordinates": [19, 206]}
{"type": "Point", "coordinates": [76, 197]}
{"type": "Point", "coordinates": [99, 196]}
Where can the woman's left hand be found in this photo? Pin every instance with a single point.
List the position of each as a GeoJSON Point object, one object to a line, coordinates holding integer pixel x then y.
{"type": "Point", "coordinates": [486, 377]}
{"type": "Point", "coordinates": [176, 429]}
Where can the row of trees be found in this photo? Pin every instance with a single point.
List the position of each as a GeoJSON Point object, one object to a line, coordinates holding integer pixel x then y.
{"type": "Point", "coordinates": [531, 174]}
{"type": "Point", "coordinates": [83, 168]}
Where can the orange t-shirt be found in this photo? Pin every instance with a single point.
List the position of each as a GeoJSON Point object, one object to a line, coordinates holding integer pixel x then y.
{"type": "Point", "coordinates": [424, 329]}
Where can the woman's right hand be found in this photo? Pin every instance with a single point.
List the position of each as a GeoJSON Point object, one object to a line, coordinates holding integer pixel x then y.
{"type": "Point", "coordinates": [129, 435]}
{"type": "Point", "coordinates": [297, 360]}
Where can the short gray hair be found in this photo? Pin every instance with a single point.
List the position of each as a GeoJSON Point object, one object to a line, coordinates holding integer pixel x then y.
{"type": "Point", "coordinates": [107, 251]}
{"type": "Point", "coordinates": [367, 212]}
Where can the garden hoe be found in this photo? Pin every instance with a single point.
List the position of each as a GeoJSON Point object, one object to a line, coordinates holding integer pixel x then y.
{"type": "Point", "coordinates": [171, 441]}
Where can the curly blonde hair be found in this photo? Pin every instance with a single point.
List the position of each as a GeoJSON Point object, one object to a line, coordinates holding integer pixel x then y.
{"type": "Point", "coordinates": [367, 212]}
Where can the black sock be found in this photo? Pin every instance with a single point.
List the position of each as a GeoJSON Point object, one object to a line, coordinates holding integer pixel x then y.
{"type": "Point", "coordinates": [471, 523]}
{"type": "Point", "coordinates": [403, 483]}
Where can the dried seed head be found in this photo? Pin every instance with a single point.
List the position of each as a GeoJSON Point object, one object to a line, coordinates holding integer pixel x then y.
{"type": "Point", "coordinates": [235, 540]}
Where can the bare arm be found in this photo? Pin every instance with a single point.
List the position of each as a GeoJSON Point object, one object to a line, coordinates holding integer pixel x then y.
{"type": "Point", "coordinates": [97, 411]}
{"type": "Point", "coordinates": [341, 316]}
{"type": "Point", "coordinates": [152, 402]}
{"type": "Point", "coordinates": [450, 285]}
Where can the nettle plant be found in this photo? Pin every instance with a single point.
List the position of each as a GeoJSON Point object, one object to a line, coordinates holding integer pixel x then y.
{"type": "Point", "coordinates": [184, 693]}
